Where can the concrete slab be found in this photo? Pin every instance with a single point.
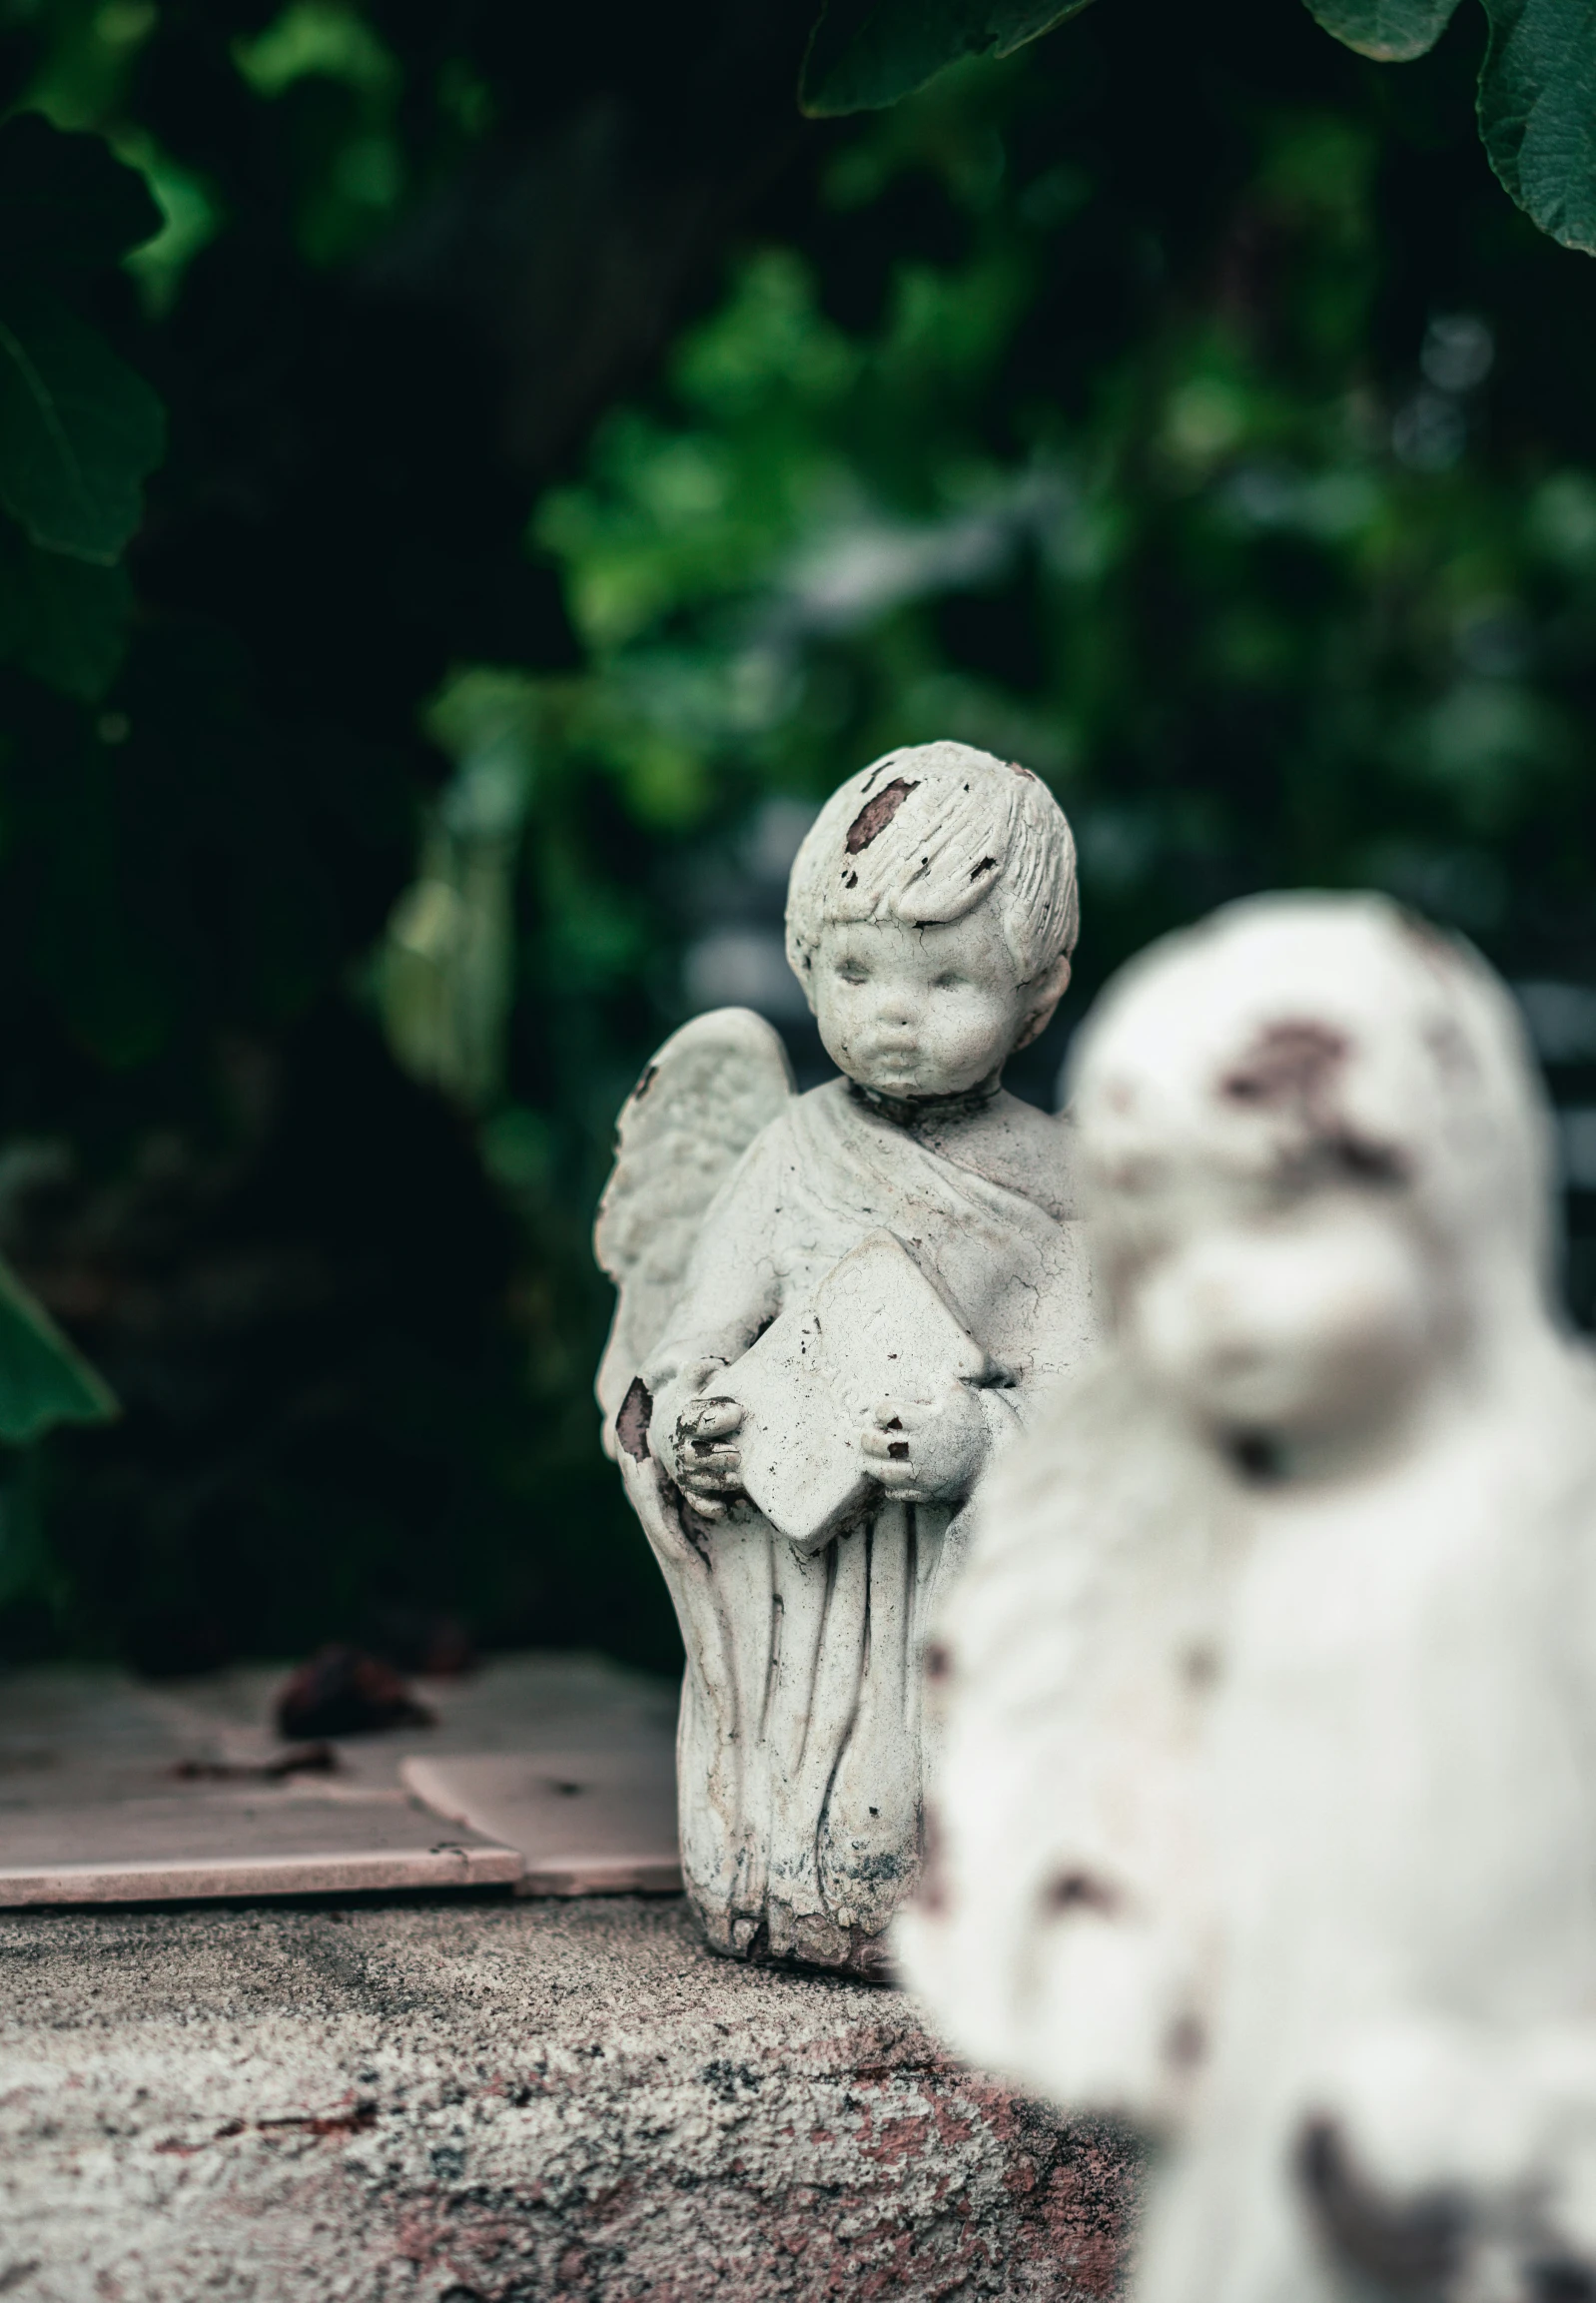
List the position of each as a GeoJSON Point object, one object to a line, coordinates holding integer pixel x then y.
{"type": "Point", "coordinates": [491, 2102]}
{"type": "Point", "coordinates": [584, 1823]}
{"type": "Point", "coordinates": [112, 1789]}
{"type": "Point", "coordinates": [270, 1842]}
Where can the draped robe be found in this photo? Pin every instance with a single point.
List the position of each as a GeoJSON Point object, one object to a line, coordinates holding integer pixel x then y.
{"type": "Point", "coordinates": [800, 1739]}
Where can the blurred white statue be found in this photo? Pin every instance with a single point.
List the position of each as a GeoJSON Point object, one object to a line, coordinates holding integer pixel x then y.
{"type": "Point", "coordinates": [832, 1308]}
{"type": "Point", "coordinates": [1266, 1816]}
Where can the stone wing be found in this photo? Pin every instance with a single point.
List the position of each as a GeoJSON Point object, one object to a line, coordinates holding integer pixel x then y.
{"type": "Point", "coordinates": [699, 1105]}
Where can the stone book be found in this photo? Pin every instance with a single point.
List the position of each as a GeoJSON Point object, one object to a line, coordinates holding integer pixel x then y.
{"type": "Point", "coordinates": [876, 1329]}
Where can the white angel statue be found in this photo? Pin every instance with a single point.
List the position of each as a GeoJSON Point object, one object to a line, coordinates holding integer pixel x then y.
{"type": "Point", "coordinates": [832, 1308]}
{"type": "Point", "coordinates": [1265, 1810]}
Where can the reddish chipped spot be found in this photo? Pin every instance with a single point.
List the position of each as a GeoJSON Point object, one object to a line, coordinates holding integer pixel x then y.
{"type": "Point", "coordinates": [646, 1082]}
{"type": "Point", "coordinates": [1084, 2217]}
{"type": "Point", "coordinates": [876, 814]}
{"type": "Point", "coordinates": [1298, 1066]}
{"type": "Point", "coordinates": [633, 1418]}
{"type": "Point", "coordinates": [358, 2119]}
{"type": "Point", "coordinates": [1287, 1062]}
{"type": "Point", "coordinates": [351, 2120]}
{"type": "Point", "coordinates": [894, 2140]}
{"type": "Point", "coordinates": [1019, 771]}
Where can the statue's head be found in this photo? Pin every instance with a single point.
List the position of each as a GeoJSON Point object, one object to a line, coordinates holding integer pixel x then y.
{"type": "Point", "coordinates": [1320, 1162]}
{"type": "Point", "coordinates": [931, 917]}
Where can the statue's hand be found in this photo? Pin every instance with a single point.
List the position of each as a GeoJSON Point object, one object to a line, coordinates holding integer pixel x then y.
{"type": "Point", "coordinates": [926, 1451]}
{"type": "Point", "coordinates": [696, 1425]}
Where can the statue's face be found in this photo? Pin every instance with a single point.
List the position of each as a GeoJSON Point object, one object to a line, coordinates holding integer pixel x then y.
{"type": "Point", "coordinates": [1281, 1325]}
{"type": "Point", "coordinates": [911, 1010]}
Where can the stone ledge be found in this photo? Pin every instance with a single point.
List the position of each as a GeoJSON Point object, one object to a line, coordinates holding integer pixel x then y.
{"type": "Point", "coordinates": [504, 2101]}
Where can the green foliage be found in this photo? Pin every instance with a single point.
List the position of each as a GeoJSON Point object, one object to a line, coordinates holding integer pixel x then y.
{"type": "Point", "coordinates": [1259, 620]}
{"type": "Point", "coordinates": [1537, 87]}
{"type": "Point", "coordinates": [333, 62]}
{"type": "Point", "coordinates": [1537, 112]}
{"type": "Point", "coordinates": [79, 430]}
{"type": "Point", "coordinates": [61, 617]}
{"type": "Point", "coordinates": [866, 53]}
{"type": "Point", "coordinates": [43, 1380]}
{"type": "Point", "coordinates": [66, 205]}
{"type": "Point", "coordinates": [353, 1377]}
{"type": "Point", "coordinates": [1390, 31]}
{"type": "Point", "coordinates": [1279, 568]}
{"type": "Point", "coordinates": [1213, 436]}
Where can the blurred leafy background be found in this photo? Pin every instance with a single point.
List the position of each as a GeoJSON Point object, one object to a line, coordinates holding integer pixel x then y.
{"type": "Point", "coordinates": [573, 463]}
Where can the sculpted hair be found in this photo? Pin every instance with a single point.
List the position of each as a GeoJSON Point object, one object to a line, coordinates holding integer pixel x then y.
{"type": "Point", "coordinates": [926, 835]}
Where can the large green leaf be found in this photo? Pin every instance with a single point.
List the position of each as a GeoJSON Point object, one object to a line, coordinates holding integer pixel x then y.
{"type": "Point", "coordinates": [63, 620]}
{"type": "Point", "coordinates": [866, 53]}
{"type": "Point", "coordinates": [1537, 111]}
{"type": "Point", "coordinates": [1391, 31]}
{"type": "Point", "coordinates": [78, 429]}
{"type": "Point", "coordinates": [66, 203]}
{"type": "Point", "coordinates": [43, 1378]}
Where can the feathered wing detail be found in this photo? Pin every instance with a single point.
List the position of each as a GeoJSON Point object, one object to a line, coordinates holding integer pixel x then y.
{"type": "Point", "coordinates": [699, 1105]}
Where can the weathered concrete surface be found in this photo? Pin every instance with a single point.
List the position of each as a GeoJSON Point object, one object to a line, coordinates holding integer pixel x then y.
{"type": "Point", "coordinates": [508, 2101]}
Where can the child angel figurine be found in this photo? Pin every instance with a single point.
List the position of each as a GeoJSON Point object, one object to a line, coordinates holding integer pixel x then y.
{"type": "Point", "coordinates": [1266, 1812]}
{"type": "Point", "coordinates": [833, 1310]}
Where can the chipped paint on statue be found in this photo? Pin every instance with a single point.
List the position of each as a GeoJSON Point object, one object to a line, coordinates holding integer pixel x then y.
{"type": "Point", "coordinates": [1266, 1812]}
{"type": "Point", "coordinates": [833, 1309]}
